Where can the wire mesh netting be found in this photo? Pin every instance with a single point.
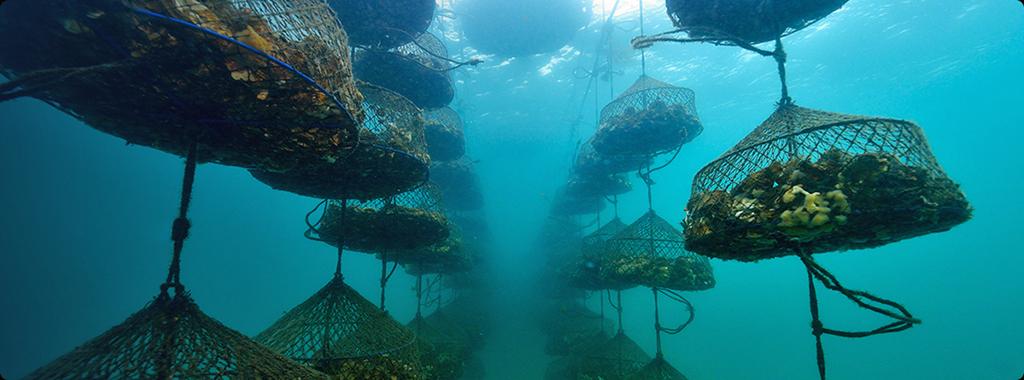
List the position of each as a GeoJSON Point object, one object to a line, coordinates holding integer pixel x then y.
{"type": "Point", "coordinates": [460, 184]}
{"type": "Point", "coordinates": [418, 70]}
{"type": "Point", "coordinates": [615, 359]}
{"type": "Point", "coordinates": [568, 324]}
{"type": "Point", "coordinates": [564, 204]}
{"type": "Point", "coordinates": [585, 271]}
{"type": "Point", "coordinates": [391, 156]}
{"type": "Point", "coordinates": [407, 221]}
{"type": "Point", "coordinates": [820, 181]}
{"type": "Point", "coordinates": [650, 252]}
{"type": "Point", "coordinates": [383, 24]}
{"type": "Point", "coordinates": [172, 339]}
{"type": "Point", "coordinates": [443, 357]}
{"type": "Point", "coordinates": [257, 84]}
{"type": "Point", "coordinates": [340, 333]}
{"type": "Point", "coordinates": [590, 162]}
{"type": "Point", "coordinates": [598, 185]}
{"type": "Point", "coordinates": [446, 256]}
{"type": "Point", "coordinates": [751, 21]}
{"type": "Point", "coordinates": [445, 138]}
{"type": "Point", "coordinates": [649, 118]}
{"type": "Point", "coordinates": [657, 369]}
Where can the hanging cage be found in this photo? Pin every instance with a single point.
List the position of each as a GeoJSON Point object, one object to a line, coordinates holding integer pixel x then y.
{"type": "Point", "coordinates": [649, 118]}
{"type": "Point", "coordinates": [615, 359]}
{"type": "Point", "coordinates": [590, 162]}
{"type": "Point", "coordinates": [585, 272]}
{"type": "Point", "coordinates": [383, 24]}
{"type": "Point", "coordinates": [820, 181]}
{"type": "Point", "coordinates": [391, 156]}
{"type": "Point", "coordinates": [657, 369]}
{"type": "Point", "coordinates": [598, 185]}
{"type": "Point", "coordinates": [445, 138]}
{"type": "Point", "coordinates": [340, 333]}
{"type": "Point", "coordinates": [441, 357]}
{"type": "Point", "coordinates": [460, 184]}
{"type": "Point", "coordinates": [566, 205]}
{"type": "Point", "coordinates": [750, 21]}
{"type": "Point", "coordinates": [407, 221]}
{"type": "Point", "coordinates": [446, 256]}
{"type": "Point", "coordinates": [418, 70]}
{"type": "Point", "coordinates": [650, 252]}
{"type": "Point", "coordinates": [171, 338]}
{"type": "Point", "coordinates": [256, 84]}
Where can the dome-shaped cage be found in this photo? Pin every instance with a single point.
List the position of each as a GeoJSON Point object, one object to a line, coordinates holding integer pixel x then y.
{"type": "Point", "coordinates": [255, 84]}
{"type": "Point", "coordinates": [585, 271]}
{"type": "Point", "coordinates": [590, 162]}
{"type": "Point", "coordinates": [598, 185]}
{"type": "Point", "coordinates": [455, 330]}
{"type": "Point", "coordinates": [342, 334]}
{"type": "Point", "coordinates": [568, 324]}
{"type": "Point", "coordinates": [650, 252]}
{"type": "Point", "coordinates": [383, 24]}
{"type": "Point", "coordinates": [441, 357]}
{"type": "Point", "coordinates": [407, 221]}
{"type": "Point", "coordinates": [171, 338]}
{"type": "Point", "coordinates": [657, 369]}
{"type": "Point", "coordinates": [649, 118]}
{"type": "Point", "coordinates": [615, 359]}
{"type": "Point", "coordinates": [750, 21]}
{"type": "Point", "coordinates": [567, 205]}
{"type": "Point", "coordinates": [417, 70]}
{"type": "Point", "coordinates": [445, 138]}
{"type": "Point", "coordinates": [460, 184]}
{"type": "Point", "coordinates": [820, 181]}
{"type": "Point", "coordinates": [391, 156]}
{"type": "Point", "coordinates": [446, 256]}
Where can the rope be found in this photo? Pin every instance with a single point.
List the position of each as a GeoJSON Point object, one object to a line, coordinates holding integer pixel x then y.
{"type": "Point", "coordinates": [34, 82]}
{"type": "Point", "coordinates": [341, 239]}
{"type": "Point", "coordinates": [904, 320]}
{"type": "Point", "coordinates": [180, 227]}
{"type": "Point", "coordinates": [618, 308]}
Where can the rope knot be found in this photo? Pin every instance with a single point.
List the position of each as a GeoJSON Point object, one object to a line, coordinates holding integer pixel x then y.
{"type": "Point", "coordinates": [817, 328]}
{"type": "Point", "coordinates": [179, 229]}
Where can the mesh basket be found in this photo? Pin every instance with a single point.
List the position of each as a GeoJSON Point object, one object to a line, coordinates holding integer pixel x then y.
{"type": "Point", "coordinates": [657, 369]}
{"type": "Point", "coordinates": [460, 332]}
{"type": "Point", "coordinates": [391, 156]}
{"type": "Point", "coordinates": [567, 324]}
{"type": "Point", "coordinates": [590, 162]}
{"type": "Point", "coordinates": [446, 256]}
{"type": "Point", "coordinates": [256, 84]}
{"type": "Point", "coordinates": [383, 24]}
{"type": "Point", "coordinates": [444, 356]}
{"type": "Point", "coordinates": [752, 21]}
{"type": "Point", "coordinates": [650, 253]}
{"type": "Point", "coordinates": [412, 70]}
{"type": "Point", "coordinates": [598, 186]}
{"type": "Point", "coordinates": [407, 221]}
{"type": "Point", "coordinates": [614, 360]}
{"type": "Point", "coordinates": [445, 138]}
{"type": "Point", "coordinates": [340, 333]}
{"type": "Point", "coordinates": [566, 205]}
{"type": "Point", "coordinates": [460, 184]}
{"type": "Point", "coordinates": [649, 118]}
{"type": "Point", "coordinates": [585, 273]}
{"type": "Point", "coordinates": [172, 339]}
{"type": "Point", "coordinates": [820, 181]}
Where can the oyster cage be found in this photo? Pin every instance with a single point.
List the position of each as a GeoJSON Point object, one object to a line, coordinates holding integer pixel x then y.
{"type": "Point", "coordinates": [391, 156]}
{"type": "Point", "coordinates": [657, 369]}
{"type": "Point", "coordinates": [445, 138]}
{"type": "Point", "coordinates": [436, 258]}
{"type": "Point", "coordinates": [340, 333]}
{"type": "Point", "coordinates": [460, 184]}
{"type": "Point", "coordinates": [585, 273]}
{"type": "Point", "coordinates": [383, 24]}
{"type": "Point", "coordinates": [649, 118]}
{"type": "Point", "coordinates": [590, 162]}
{"type": "Point", "coordinates": [171, 338]}
{"type": "Point", "coordinates": [440, 356]}
{"type": "Point", "coordinates": [412, 70]}
{"type": "Point", "coordinates": [616, 358]}
{"type": "Point", "coordinates": [650, 252]}
{"type": "Point", "coordinates": [566, 205]}
{"type": "Point", "coordinates": [256, 84]}
{"type": "Point", "coordinates": [598, 185]}
{"type": "Point", "coordinates": [751, 21]}
{"type": "Point", "coordinates": [820, 181]}
{"type": "Point", "coordinates": [407, 221]}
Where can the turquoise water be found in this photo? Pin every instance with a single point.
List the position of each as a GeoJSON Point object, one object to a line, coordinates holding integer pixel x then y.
{"type": "Point", "coordinates": [85, 219]}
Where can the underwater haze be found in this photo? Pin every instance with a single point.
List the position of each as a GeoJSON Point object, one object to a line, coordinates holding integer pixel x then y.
{"type": "Point", "coordinates": [85, 220]}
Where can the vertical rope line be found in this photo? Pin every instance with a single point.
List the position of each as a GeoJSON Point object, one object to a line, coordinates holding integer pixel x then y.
{"type": "Point", "coordinates": [383, 275]}
{"type": "Point", "coordinates": [643, 52]}
{"type": "Point", "coordinates": [657, 322]}
{"type": "Point", "coordinates": [816, 326]}
{"type": "Point", "coordinates": [341, 236]}
{"type": "Point", "coordinates": [419, 290]}
{"type": "Point", "coordinates": [616, 205]}
{"type": "Point", "coordinates": [180, 227]}
{"type": "Point", "coordinates": [601, 295]}
{"type": "Point", "coordinates": [780, 57]}
{"type": "Point", "coordinates": [618, 295]}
